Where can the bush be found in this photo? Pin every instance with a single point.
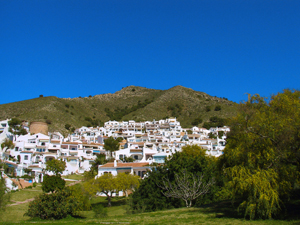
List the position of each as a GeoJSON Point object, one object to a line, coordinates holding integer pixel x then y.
{"type": "Point", "coordinates": [218, 108]}
{"type": "Point", "coordinates": [53, 183]}
{"type": "Point", "coordinates": [55, 206]}
{"type": "Point", "coordinates": [99, 211]}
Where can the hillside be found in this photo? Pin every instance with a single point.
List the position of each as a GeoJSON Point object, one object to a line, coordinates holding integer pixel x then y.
{"type": "Point", "coordinates": [136, 103]}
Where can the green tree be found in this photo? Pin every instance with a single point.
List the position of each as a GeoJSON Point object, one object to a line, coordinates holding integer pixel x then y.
{"type": "Point", "coordinates": [4, 196]}
{"type": "Point", "coordinates": [100, 160]}
{"type": "Point", "coordinates": [53, 183]}
{"type": "Point", "coordinates": [186, 186]}
{"type": "Point", "coordinates": [261, 158]}
{"type": "Point", "coordinates": [110, 144]}
{"type": "Point", "coordinates": [107, 184]}
{"type": "Point", "coordinates": [8, 144]}
{"type": "Point", "coordinates": [194, 160]}
{"type": "Point", "coordinates": [15, 127]}
{"type": "Point", "coordinates": [127, 182]}
{"type": "Point", "coordinates": [56, 166]}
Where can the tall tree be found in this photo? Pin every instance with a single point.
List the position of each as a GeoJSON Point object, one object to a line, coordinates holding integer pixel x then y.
{"type": "Point", "coordinates": [106, 184]}
{"type": "Point", "coordinates": [186, 186]}
{"type": "Point", "coordinates": [56, 166]}
{"type": "Point", "coordinates": [8, 144]}
{"type": "Point", "coordinates": [4, 195]}
{"type": "Point", "coordinates": [262, 156]}
{"type": "Point", "coordinates": [110, 144]}
{"type": "Point", "coordinates": [194, 160]}
{"type": "Point", "coordinates": [128, 182]}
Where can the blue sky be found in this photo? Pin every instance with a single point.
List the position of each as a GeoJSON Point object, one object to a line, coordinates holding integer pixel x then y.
{"type": "Point", "coordinates": [75, 48]}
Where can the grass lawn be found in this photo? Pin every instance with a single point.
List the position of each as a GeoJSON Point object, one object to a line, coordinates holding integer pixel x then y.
{"type": "Point", "coordinates": [22, 195]}
{"type": "Point", "coordinates": [73, 177]}
{"type": "Point", "coordinates": [213, 214]}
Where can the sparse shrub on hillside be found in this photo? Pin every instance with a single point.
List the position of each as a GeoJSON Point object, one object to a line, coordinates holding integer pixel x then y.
{"type": "Point", "coordinates": [197, 121]}
{"type": "Point", "coordinates": [218, 108]}
{"type": "Point", "coordinates": [207, 108]}
{"type": "Point", "coordinates": [67, 126]}
{"type": "Point", "coordinates": [214, 121]}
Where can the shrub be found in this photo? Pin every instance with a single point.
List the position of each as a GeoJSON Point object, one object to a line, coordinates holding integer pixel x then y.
{"type": "Point", "coordinates": [218, 108]}
{"type": "Point", "coordinates": [207, 108]}
{"type": "Point", "coordinates": [99, 211]}
{"type": "Point", "coordinates": [55, 206]}
{"type": "Point", "coordinates": [48, 121]}
{"type": "Point", "coordinates": [53, 183]}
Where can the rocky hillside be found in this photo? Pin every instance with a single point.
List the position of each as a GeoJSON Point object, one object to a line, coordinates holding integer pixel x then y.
{"type": "Point", "coordinates": [136, 103]}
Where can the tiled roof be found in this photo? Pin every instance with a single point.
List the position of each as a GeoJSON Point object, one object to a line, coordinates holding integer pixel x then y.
{"type": "Point", "coordinates": [120, 165]}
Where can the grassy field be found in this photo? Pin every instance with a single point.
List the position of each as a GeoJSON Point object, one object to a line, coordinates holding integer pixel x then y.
{"type": "Point", "coordinates": [73, 177]}
{"type": "Point", "coordinates": [117, 214]}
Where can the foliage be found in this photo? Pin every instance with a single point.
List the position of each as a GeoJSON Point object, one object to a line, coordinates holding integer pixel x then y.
{"type": "Point", "coordinates": [15, 127]}
{"type": "Point", "coordinates": [218, 108]}
{"type": "Point", "coordinates": [191, 102]}
{"type": "Point", "coordinates": [128, 159]}
{"type": "Point", "coordinates": [107, 184]}
{"type": "Point", "coordinates": [78, 192]}
{"type": "Point", "coordinates": [186, 186]}
{"type": "Point", "coordinates": [53, 183]}
{"type": "Point", "coordinates": [67, 126]}
{"type": "Point", "coordinates": [193, 159]}
{"type": "Point", "coordinates": [56, 166]}
{"type": "Point", "coordinates": [220, 134]}
{"type": "Point", "coordinates": [4, 196]}
{"type": "Point", "coordinates": [149, 197]}
{"type": "Point", "coordinates": [197, 121]}
{"type": "Point", "coordinates": [189, 132]}
{"type": "Point", "coordinates": [261, 159]}
{"type": "Point", "coordinates": [100, 160]}
{"type": "Point", "coordinates": [127, 182]}
{"type": "Point", "coordinates": [57, 205]}
{"type": "Point", "coordinates": [99, 211]}
{"type": "Point", "coordinates": [118, 113]}
{"type": "Point", "coordinates": [214, 121]}
{"type": "Point", "coordinates": [175, 109]}
{"type": "Point", "coordinates": [7, 144]}
{"type": "Point", "coordinates": [212, 135]}
{"type": "Point", "coordinates": [110, 144]}
{"type": "Point", "coordinates": [207, 108]}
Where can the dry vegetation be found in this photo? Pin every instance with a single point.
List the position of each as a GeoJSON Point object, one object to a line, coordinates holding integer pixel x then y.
{"type": "Point", "coordinates": [132, 102]}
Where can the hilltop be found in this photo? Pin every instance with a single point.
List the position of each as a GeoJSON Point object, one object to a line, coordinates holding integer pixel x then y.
{"type": "Point", "coordinates": [130, 103]}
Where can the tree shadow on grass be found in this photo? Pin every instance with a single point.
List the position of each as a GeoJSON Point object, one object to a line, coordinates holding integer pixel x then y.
{"type": "Point", "coordinates": [115, 201]}
{"type": "Point", "coordinates": [227, 209]}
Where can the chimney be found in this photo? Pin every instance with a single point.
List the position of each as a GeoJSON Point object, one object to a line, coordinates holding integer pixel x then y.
{"type": "Point", "coordinates": [115, 163]}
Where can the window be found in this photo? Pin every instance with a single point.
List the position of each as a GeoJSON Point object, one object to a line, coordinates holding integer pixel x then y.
{"type": "Point", "coordinates": [26, 157]}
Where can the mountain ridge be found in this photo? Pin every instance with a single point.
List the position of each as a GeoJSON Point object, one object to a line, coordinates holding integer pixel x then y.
{"type": "Point", "coordinates": [132, 102]}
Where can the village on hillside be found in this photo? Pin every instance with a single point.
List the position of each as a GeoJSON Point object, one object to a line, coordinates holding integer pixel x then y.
{"type": "Point", "coordinates": [144, 143]}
